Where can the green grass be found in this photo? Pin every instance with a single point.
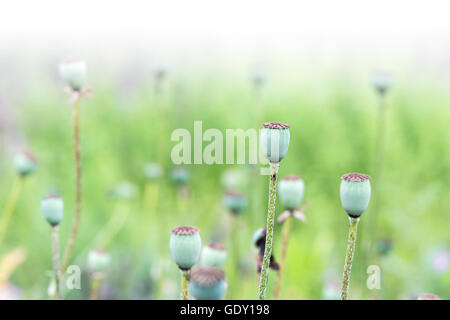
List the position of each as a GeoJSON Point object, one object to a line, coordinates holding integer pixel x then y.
{"type": "Point", "coordinates": [332, 132]}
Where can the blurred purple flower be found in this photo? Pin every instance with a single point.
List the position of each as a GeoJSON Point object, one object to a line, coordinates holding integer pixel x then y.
{"type": "Point", "coordinates": [441, 261]}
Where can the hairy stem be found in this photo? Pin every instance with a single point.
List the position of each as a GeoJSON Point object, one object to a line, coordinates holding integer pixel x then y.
{"type": "Point", "coordinates": [10, 206]}
{"type": "Point", "coordinates": [349, 257]}
{"type": "Point", "coordinates": [78, 185]}
{"type": "Point", "coordinates": [284, 246]}
{"type": "Point", "coordinates": [269, 235]}
{"type": "Point", "coordinates": [55, 244]}
{"type": "Point", "coordinates": [184, 285]}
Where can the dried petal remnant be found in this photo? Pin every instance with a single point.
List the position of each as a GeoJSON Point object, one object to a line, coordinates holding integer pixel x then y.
{"type": "Point", "coordinates": [184, 230]}
{"type": "Point", "coordinates": [276, 125]}
{"type": "Point", "coordinates": [355, 177]}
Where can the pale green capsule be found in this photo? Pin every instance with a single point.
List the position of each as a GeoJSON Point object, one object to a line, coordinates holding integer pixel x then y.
{"type": "Point", "coordinates": [382, 81]}
{"type": "Point", "coordinates": [98, 261]}
{"type": "Point", "coordinates": [185, 246]}
{"type": "Point", "coordinates": [25, 163]}
{"type": "Point", "coordinates": [73, 72]}
{"type": "Point", "coordinates": [207, 283]}
{"type": "Point", "coordinates": [213, 255]}
{"type": "Point", "coordinates": [153, 171]}
{"type": "Point", "coordinates": [291, 190]}
{"type": "Point", "coordinates": [52, 207]}
{"type": "Point", "coordinates": [274, 141]}
{"type": "Point", "coordinates": [355, 193]}
{"type": "Point", "coordinates": [235, 202]}
{"type": "Point", "coordinates": [180, 175]}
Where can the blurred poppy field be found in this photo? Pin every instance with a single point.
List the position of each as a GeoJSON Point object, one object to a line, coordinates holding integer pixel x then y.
{"type": "Point", "coordinates": [129, 211]}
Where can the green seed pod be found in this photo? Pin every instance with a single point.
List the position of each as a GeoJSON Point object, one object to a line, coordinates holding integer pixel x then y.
{"type": "Point", "coordinates": [274, 140]}
{"type": "Point", "coordinates": [98, 261]}
{"type": "Point", "coordinates": [382, 81]}
{"type": "Point", "coordinates": [213, 255]}
{"type": "Point", "coordinates": [291, 190]}
{"type": "Point", "coordinates": [25, 163]}
{"type": "Point", "coordinates": [180, 175]}
{"type": "Point", "coordinates": [355, 193]}
{"type": "Point", "coordinates": [152, 171]}
{"type": "Point", "coordinates": [235, 202]}
{"type": "Point", "coordinates": [259, 237]}
{"type": "Point", "coordinates": [52, 207]}
{"type": "Point", "coordinates": [207, 283]}
{"type": "Point", "coordinates": [73, 72]}
{"type": "Point", "coordinates": [185, 246]}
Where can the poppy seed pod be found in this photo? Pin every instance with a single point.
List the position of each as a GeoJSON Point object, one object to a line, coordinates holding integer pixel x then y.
{"type": "Point", "coordinates": [355, 193]}
{"type": "Point", "coordinates": [152, 171]}
{"type": "Point", "coordinates": [291, 190]}
{"type": "Point", "coordinates": [98, 261]}
{"type": "Point", "coordinates": [73, 72]}
{"type": "Point", "coordinates": [207, 283]}
{"type": "Point", "coordinates": [274, 141]}
{"type": "Point", "coordinates": [179, 175]}
{"type": "Point", "coordinates": [259, 237]}
{"type": "Point", "coordinates": [185, 246]}
{"type": "Point", "coordinates": [235, 202]}
{"type": "Point", "coordinates": [382, 81]}
{"type": "Point", "coordinates": [52, 207]}
{"type": "Point", "coordinates": [213, 255]}
{"type": "Point", "coordinates": [25, 163]}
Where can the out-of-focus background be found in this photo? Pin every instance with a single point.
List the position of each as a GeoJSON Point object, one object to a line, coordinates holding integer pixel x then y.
{"type": "Point", "coordinates": [314, 62]}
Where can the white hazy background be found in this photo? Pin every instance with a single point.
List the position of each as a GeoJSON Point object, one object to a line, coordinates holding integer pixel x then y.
{"type": "Point", "coordinates": [384, 32]}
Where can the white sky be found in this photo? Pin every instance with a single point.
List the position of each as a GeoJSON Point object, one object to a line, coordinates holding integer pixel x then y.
{"type": "Point", "coordinates": [231, 24]}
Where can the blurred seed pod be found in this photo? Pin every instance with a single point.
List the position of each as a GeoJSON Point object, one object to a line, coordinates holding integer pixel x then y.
{"type": "Point", "coordinates": [234, 179]}
{"type": "Point", "coordinates": [259, 237]}
{"type": "Point", "coordinates": [52, 207]}
{"type": "Point", "coordinates": [180, 175]}
{"type": "Point", "coordinates": [235, 202]}
{"type": "Point", "coordinates": [73, 72]}
{"type": "Point", "coordinates": [124, 190]}
{"type": "Point", "coordinates": [291, 190]}
{"type": "Point", "coordinates": [153, 171]}
{"type": "Point", "coordinates": [384, 246]}
{"type": "Point", "coordinates": [185, 246]}
{"type": "Point", "coordinates": [98, 262]}
{"type": "Point", "coordinates": [258, 76]}
{"type": "Point", "coordinates": [25, 163]}
{"type": "Point", "coordinates": [213, 255]}
{"type": "Point", "coordinates": [382, 81]}
{"type": "Point", "coordinates": [207, 283]}
{"type": "Point", "coordinates": [355, 193]}
{"type": "Point", "coordinates": [274, 140]}
{"type": "Point", "coordinates": [331, 290]}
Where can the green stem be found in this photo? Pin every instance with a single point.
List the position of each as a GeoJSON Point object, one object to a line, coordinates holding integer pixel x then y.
{"type": "Point", "coordinates": [95, 286]}
{"type": "Point", "coordinates": [10, 206]}
{"type": "Point", "coordinates": [284, 245]}
{"type": "Point", "coordinates": [349, 257]}
{"type": "Point", "coordinates": [55, 244]}
{"type": "Point", "coordinates": [78, 184]}
{"type": "Point", "coordinates": [184, 285]}
{"type": "Point", "coordinates": [269, 235]}
{"type": "Point", "coordinates": [379, 156]}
